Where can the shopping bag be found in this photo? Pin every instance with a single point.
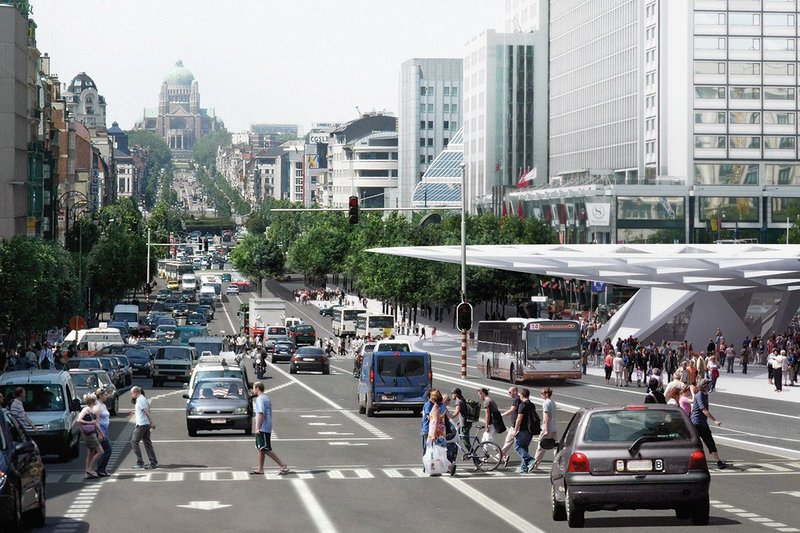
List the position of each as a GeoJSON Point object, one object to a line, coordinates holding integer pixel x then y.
{"type": "Point", "coordinates": [435, 460]}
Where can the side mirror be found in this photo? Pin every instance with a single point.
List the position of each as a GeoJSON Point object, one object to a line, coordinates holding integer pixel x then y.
{"type": "Point", "coordinates": [25, 446]}
{"type": "Point", "coordinates": [185, 395]}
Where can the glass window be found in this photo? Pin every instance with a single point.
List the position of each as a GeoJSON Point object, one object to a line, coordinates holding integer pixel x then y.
{"type": "Point", "coordinates": [422, 160]}
{"type": "Point", "coordinates": [423, 91]}
{"type": "Point", "coordinates": [783, 208]}
{"type": "Point", "coordinates": [446, 91]}
{"type": "Point", "coordinates": [710, 93]}
{"type": "Point", "coordinates": [454, 92]}
{"type": "Point", "coordinates": [709, 67]}
{"type": "Point", "coordinates": [709, 141]}
{"type": "Point", "coordinates": [454, 108]}
{"type": "Point", "coordinates": [778, 69]}
{"type": "Point", "coordinates": [421, 141]}
{"type": "Point", "coordinates": [709, 18]}
{"type": "Point", "coordinates": [778, 93]}
{"type": "Point", "coordinates": [446, 125]}
{"type": "Point", "coordinates": [430, 142]}
{"type": "Point", "coordinates": [709, 117]}
{"type": "Point", "coordinates": [446, 108]}
{"type": "Point", "coordinates": [745, 69]}
{"type": "Point", "coordinates": [744, 43]}
{"type": "Point", "coordinates": [778, 19]}
{"type": "Point", "coordinates": [742, 142]}
{"type": "Point", "coordinates": [779, 44]}
{"type": "Point", "coordinates": [430, 91]}
{"type": "Point", "coordinates": [745, 117]}
{"type": "Point", "coordinates": [453, 125]}
{"type": "Point", "coordinates": [430, 108]}
{"type": "Point", "coordinates": [744, 93]}
{"type": "Point", "coordinates": [422, 124]}
{"type": "Point", "coordinates": [744, 19]}
{"type": "Point", "coordinates": [650, 207]}
{"type": "Point", "coordinates": [430, 124]}
{"type": "Point", "coordinates": [772, 117]}
{"type": "Point", "coordinates": [783, 174]}
{"type": "Point", "coordinates": [716, 174]}
{"type": "Point", "coordinates": [779, 143]}
{"type": "Point", "coordinates": [709, 43]}
{"type": "Point", "coordinates": [729, 209]}
{"type": "Point", "coordinates": [650, 236]}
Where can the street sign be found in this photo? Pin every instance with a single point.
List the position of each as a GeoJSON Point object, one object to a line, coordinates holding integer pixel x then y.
{"type": "Point", "coordinates": [598, 286]}
{"type": "Point", "coordinates": [77, 322]}
{"type": "Point", "coordinates": [205, 506]}
{"type": "Point", "coordinates": [539, 299]}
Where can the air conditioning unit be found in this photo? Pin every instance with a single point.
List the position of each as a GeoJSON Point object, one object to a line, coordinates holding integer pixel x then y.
{"type": "Point", "coordinates": [555, 181]}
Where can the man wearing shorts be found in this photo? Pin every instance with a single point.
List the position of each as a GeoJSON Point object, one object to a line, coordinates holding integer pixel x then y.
{"type": "Point", "coordinates": [264, 427]}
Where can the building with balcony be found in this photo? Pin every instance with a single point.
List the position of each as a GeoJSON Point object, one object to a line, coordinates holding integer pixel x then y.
{"type": "Point", "coordinates": [85, 104]}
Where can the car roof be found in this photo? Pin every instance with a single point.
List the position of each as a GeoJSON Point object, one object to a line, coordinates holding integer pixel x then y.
{"type": "Point", "coordinates": [21, 377]}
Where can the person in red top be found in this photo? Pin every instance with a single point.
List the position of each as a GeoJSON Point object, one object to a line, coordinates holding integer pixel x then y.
{"type": "Point", "coordinates": [608, 366]}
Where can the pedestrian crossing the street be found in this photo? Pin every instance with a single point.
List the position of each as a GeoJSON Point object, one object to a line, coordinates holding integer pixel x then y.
{"type": "Point", "coordinates": [163, 475]}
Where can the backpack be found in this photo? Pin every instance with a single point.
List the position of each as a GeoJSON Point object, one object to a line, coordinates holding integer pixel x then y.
{"type": "Point", "coordinates": [473, 413]}
{"type": "Point", "coordinates": [534, 422]}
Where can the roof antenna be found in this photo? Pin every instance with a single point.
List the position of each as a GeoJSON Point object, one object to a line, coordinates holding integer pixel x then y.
{"type": "Point", "coordinates": [358, 111]}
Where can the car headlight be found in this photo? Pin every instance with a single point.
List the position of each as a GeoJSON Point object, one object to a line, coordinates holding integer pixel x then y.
{"type": "Point", "coordinates": [195, 411]}
{"type": "Point", "coordinates": [240, 411]}
{"type": "Point", "coordinates": [54, 425]}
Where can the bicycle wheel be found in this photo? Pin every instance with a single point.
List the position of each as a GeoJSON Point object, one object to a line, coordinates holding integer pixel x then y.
{"type": "Point", "coordinates": [487, 456]}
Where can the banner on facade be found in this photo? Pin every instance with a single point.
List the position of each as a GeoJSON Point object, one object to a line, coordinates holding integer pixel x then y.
{"type": "Point", "coordinates": [598, 214]}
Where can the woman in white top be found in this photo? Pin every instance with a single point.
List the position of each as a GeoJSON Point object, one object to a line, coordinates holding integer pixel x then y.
{"type": "Point", "coordinates": [617, 366]}
{"type": "Point", "coordinates": [104, 420]}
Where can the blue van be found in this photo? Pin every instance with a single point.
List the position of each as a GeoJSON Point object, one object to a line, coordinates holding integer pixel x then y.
{"type": "Point", "coordinates": [392, 381]}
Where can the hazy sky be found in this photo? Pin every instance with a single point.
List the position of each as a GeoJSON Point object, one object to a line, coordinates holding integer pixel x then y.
{"type": "Point", "coordinates": [295, 61]}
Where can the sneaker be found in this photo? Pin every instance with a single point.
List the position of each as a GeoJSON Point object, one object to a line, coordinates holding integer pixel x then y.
{"type": "Point", "coordinates": [138, 467]}
{"type": "Point", "coordinates": [722, 465]}
{"type": "Point", "coordinates": [534, 469]}
{"type": "Point", "coordinates": [152, 466]}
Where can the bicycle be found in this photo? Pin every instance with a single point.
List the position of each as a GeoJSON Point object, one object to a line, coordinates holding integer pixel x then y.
{"type": "Point", "coordinates": [486, 456]}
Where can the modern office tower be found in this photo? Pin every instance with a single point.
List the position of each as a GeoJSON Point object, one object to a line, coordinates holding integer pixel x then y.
{"type": "Point", "coordinates": [441, 183]}
{"type": "Point", "coordinates": [525, 15]}
{"type": "Point", "coordinates": [430, 114]}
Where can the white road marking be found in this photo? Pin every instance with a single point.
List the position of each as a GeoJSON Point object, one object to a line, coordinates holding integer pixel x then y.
{"type": "Point", "coordinates": [322, 424]}
{"type": "Point", "coordinates": [205, 506]}
{"type": "Point", "coordinates": [273, 389]}
{"type": "Point", "coordinates": [500, 511]}
{"type": "Point", "coordinates": [315, 416]}
{"type": "Point", "coordinates": [234, 329]}
{"type": "Point", "coordinates": [318, 515]}
{"type": "Point", "coordinates": [335, 433]}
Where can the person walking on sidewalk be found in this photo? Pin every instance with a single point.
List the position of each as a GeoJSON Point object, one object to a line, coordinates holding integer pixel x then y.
{"type": "Point", "coordinates": [263, 421]}
{"type": "Point", "coordinates": [700, 415]}
{"type": "Point", "coordinates": [141, 433]}
{"type": "Point", "coordinates": [512, 412]}
{"type": "Point", "coordinates": [778, 362]}
{"type": "Point", "coordinates": [548, 427]}
{"type": "Point", "coordinates": [422, 334]}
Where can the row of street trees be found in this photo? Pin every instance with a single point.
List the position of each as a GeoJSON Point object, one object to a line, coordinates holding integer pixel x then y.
{"type": "Point", "coordinates": [318, 244]}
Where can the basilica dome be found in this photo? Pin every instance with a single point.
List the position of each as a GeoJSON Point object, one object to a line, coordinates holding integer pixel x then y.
{"type": "Point", "coordinates": [179, 75]}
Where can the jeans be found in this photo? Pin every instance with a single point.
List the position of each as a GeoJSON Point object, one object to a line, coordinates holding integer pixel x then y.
{"type": "Point", "coordinates": [730, 364]}
{"type": "Point", "coordinates": [521, 443]}
{"type": "Point", "coordinates": [142, 433]}
{"type": "Point", "coordinates": [102, 463]}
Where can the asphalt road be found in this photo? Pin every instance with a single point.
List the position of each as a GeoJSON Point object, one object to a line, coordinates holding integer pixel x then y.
{"type": "Point", "coordinates": [353, 473]}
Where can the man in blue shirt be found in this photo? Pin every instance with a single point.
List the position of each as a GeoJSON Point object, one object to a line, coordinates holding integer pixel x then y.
{"type": "Point", "coordinates": [264, 426]}
{"type": "Point", "coordinates": [700, 417]}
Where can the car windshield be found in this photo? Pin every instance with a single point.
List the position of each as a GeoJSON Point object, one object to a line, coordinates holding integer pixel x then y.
{"type": "Point", "coordinates": [176, 354]}
{"type": "Point", "coordinates": [276, 331]}
{"type": "Point", "coordinates": [630, 425]}
{"type": "Point", "coordinates": [137, 353]}
{"type": "Point", "coordinates": [219, 390]}
{"type": "Point", "coordinates": [83, 363]}
{"type": "Point", "coordinates": [39, 397]}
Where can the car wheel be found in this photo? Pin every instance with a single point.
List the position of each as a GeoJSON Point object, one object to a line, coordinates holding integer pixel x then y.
{"type": "Point", "coordinates": [191, 430]}
{"type": "Point", "coordinates": [700, 512]}
{"type": "Point", "coordinates": [361, 409]}
{"type": "Point", "coordinates": [37, 517]}
{"type": "Point", "coordinates": [559, 513]}
{"type": "Point", "coordinates": [370, 409]}
{"type": "Point", "coordinates": [574, 512]}
{"type": "Point", "coordinates": [14, 518]}
{"type": "Point", "coordinates": [292, 369]}
{"type": "Point", "coordinates": [683, 512]}
{"type": "Point", "coordinates": [326, 370]}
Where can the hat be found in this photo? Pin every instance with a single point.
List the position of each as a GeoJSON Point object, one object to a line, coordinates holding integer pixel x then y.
{"type": "Point", "coordinates": [704, 382]}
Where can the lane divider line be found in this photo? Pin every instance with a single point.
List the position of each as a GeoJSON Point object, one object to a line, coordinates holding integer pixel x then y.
{"type": "Point", "coordinates": [313, 507]}
{"type": "Point", "coordinates": [496, 508]}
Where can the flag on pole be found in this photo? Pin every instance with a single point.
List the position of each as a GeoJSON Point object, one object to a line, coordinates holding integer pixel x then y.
{"type": "Point", "coordinates": [526, 178]}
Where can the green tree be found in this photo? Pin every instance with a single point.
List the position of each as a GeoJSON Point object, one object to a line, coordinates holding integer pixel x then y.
{"type": "Point", "coordinates": [164, 219]}
{"type": "Point", "coordinates": [205, 149]}
{"type": "Point", "coordinates": [258, 258]}
{"type": "Point", "coordinates": [322, 248]}
{"type": "Point", "coordinates": [160, 155]}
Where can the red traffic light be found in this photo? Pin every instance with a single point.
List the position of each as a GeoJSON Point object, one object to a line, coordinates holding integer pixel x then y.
{"type": "Point", "coordinates": [353, 209]}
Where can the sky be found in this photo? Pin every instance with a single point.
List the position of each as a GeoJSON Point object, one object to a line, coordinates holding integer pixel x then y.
{"type": "Point", "coordinates": [296, 62]}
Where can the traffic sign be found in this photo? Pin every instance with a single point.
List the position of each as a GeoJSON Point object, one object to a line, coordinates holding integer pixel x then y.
{"type": "Point", "coordinates": [77, 322]}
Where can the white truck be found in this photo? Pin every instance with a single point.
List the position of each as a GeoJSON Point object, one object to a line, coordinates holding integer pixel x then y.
{"type": "Point", "coordinates": [264, 312]}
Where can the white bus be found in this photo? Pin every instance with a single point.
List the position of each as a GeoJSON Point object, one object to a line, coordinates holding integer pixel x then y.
{"type": "Point", "coordinates": [523, 349]}
{"type": "Point", "coordinates": [343, 320]}
{"type": "Point", "coordinates": [188, 281]}
{"type": "Point", "coordinates": [213, 281]}
{"type": "Point", "coordinates": [374, 324]}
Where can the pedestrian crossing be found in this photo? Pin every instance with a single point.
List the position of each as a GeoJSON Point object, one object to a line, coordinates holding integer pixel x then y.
{"type": "Point", "coordinates": [164, 475]}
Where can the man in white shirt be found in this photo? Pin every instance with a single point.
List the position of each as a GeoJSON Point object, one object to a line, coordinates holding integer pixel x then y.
{"type": "Point", "coordinates": [778, 362]}
{"type": "Point", "coordinates": [144, 425]}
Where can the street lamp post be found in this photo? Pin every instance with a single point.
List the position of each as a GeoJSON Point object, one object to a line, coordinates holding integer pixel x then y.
{"type": "Point", "coordinates": [463, 265]}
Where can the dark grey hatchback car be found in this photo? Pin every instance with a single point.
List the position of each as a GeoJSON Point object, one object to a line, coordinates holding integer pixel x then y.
{"type": "Point", "coordinates": [629, 457]}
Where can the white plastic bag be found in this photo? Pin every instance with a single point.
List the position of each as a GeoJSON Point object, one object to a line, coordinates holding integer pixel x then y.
{"type": "Point", "coordinates": [435, 460]}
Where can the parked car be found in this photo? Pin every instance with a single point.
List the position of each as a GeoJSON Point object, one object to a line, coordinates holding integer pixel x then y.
{"type": "Point", "coordinates": [629, 457]}
{"type": "Point", "coordinates": [219, 403]}
{"type": "Point", "coordinates": [88, 381]}
{"type": "Point", "coordinates": [52, 405]}
{"type": "Point", "coordinates": [310, 358]}
{"type": "Point", "coordinates": [22, 490]}
{"type": "Point", "coordinates": [126, 367]}
{"type": "Point", "coordinates": [304, 334]}
{"type": "Point", "coordinates": [141, 359]}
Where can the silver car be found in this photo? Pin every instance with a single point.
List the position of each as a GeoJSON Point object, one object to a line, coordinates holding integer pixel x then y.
{"type": "Point", "coordinates": [630, 457]}
{"type": "Point", "coordinates": [219, 403]}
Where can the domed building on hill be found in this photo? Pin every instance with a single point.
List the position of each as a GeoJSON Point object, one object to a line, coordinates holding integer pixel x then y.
{"type": "Point", "coordinates": [179, 118]}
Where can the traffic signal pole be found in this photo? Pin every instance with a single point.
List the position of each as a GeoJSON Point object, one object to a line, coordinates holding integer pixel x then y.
{"type": "Point", "coordinates": [463, 267]}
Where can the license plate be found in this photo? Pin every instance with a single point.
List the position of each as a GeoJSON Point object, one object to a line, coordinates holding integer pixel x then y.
{"type": "Point", "coordinates": [218, 420]}
{"type": "Point", "coordinates": [639, 465]}
{"type": "Point", "coordinates": [310, 359]}
{"type": "Point", "coordinates": [387, 397]}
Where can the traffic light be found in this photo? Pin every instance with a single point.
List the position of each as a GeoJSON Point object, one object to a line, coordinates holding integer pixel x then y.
{"type": "Point", "coordinates": [464, 316]}
{"type": "Point", "coordinates": [353, 209]}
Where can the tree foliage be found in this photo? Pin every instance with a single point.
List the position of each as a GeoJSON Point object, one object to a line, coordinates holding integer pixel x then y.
{"type": "Point", "coordinates": [205, 149]}
{"type": "Point", "coordinates": [258, 258]}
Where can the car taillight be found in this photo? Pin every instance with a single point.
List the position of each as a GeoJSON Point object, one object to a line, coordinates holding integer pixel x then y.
{"type": "Point", "coordinates": [371, 376]}
{"type": "Point", "coordinates": [430, 376]}
{"type": "Point", "coordinates": [635, 407]}
{"type": "Point", "coordinates": [313, 333]}
{"type": "Point", "coordinates": [697, 461]}
{"type": "Point", "coordinates": [578, 462]}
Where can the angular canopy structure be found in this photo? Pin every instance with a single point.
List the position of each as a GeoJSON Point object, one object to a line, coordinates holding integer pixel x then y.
{"type": "Point", "coordinates": [686, 291]}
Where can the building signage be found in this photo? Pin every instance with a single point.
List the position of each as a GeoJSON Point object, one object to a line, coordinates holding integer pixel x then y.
{"type": "Point", "coordinates": [318, 137]}
{"type": "Point", "coordinates": [598, 214]}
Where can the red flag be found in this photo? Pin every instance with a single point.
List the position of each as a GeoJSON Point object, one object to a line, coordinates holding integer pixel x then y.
{"type": "Point", "coordinates": [526, 178]}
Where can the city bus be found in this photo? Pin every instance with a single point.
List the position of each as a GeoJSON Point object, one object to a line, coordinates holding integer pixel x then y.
{"type": "Point", "coordinates": [524, 349]}
{"type": "Point", "coordinates": [343, 320]}
{"type": "Point", "coordinates": [374, 324]}
{"type": "Point", "coordinates": [173, 269]}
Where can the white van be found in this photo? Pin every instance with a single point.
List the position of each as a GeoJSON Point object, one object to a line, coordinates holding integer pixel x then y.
{"type": "Point", "coordinates": [127, 313]}
{"type": "Point", "coordinates": [188, 282]}
{"type": "Point", "coordinates": [292, 322]}
{"type": "Point", "coordinates": [208, 290]}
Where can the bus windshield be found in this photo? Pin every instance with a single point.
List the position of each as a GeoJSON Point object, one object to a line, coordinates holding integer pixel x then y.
{"type": "Point", "coordinates": [381, 322]}
{"type": "Point", "coordinates": [352, 314]}
{"type": "Point", "coordinates": [563, 342]}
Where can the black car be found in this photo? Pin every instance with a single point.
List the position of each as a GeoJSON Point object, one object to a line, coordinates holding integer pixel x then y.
{"type": "Point", "coordinates": [304, 334]}
{"type": "Point", "coordinates": [328, 311]}
{"type": "Point", "coordinates": [207, 310]}
{"type": "Point", "coordinates": [170, 303]}
{"type": "Point", "coordinates": [22, 485]}
{"type": "Point", "coordinates": [629, 457]}
{"type": "Point", "coordinates": [310, 358]}
{"type": "Point", "coordinates": [281, 351]}
{"type": "Point", "coordinates": [180, 310]}
{"type": "Point", "coordinates": [196, 319]}
{"type": "Point", "coordinates": [163, 294]}
{"type": "Point", "coordinates": [141, 359]}
{"type": "Point", "coordinates": [207, 300]}
{"type": "Point", "coordinates": [188, 295]}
